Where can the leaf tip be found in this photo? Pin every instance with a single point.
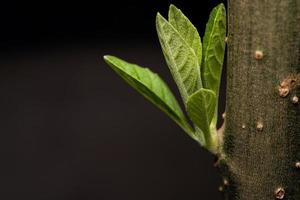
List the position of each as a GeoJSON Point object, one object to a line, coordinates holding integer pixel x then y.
{"type": "Point", "coordinates": [109, 59]}
{"type": "Point", "coordinates": [106, 57]}
{"type": "Point", "coordinates": [159, 17]}
{"type": "Point", "coordinates": [172, 7]}
{"type": "Point", "coordinates": [159, 20]}
{"type": "Point", "coordinates": [221, 6]}
{"type": "Point", "coordinates": [173, 11]}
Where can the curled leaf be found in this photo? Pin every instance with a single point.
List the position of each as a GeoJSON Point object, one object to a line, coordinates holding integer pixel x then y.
{"type": "Point", "coordinates": [214, 48]}
{"type": "Point", "coordinates": [200, 108]}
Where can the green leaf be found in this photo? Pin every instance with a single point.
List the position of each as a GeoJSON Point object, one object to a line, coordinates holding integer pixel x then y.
{"type": "Point", "coordinates": [200, 108]}
{"type": "Point", "coordinates": [186, 30]}
{"type": "Point", "coordinates": [180, 57]}
{"type": "Point", "coordinates": [152, 87]}
{"type": "Point", "coordinates": [213, 48]}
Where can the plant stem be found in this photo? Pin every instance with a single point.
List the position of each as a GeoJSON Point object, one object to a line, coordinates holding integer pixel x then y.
{"type": "Point", "coordinates": [262, 134]}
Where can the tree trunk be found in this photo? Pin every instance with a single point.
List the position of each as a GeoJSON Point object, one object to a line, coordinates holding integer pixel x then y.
{"type": "Point", "coordinates": [262, 135]}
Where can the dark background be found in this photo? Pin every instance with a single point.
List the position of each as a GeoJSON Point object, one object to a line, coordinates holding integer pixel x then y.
{"type": "Point", "coordinates": [70, 128]}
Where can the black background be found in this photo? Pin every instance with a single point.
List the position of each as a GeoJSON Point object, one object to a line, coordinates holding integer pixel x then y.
{"type": "Point", "coordinates": [70, 128]}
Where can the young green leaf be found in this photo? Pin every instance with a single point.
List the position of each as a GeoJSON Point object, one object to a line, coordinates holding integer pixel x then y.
{"type": "Point", "coordinates": [213, 48]}
{"type": "Point", "coordinates": [186, 30]}
{"type": "Point", "coordinates": [200, 108]}
{"type": "Point", "coordinates": [180, 57]}
{"type": "Point", "coordinates": [152, 87]}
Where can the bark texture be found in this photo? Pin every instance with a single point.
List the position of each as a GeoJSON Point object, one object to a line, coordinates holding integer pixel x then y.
{"type": "Point", "coordinates": [262, 135]}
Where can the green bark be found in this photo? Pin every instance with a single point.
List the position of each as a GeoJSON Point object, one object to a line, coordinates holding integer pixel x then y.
{"type": "Point", "coordinates": [262, 133]}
